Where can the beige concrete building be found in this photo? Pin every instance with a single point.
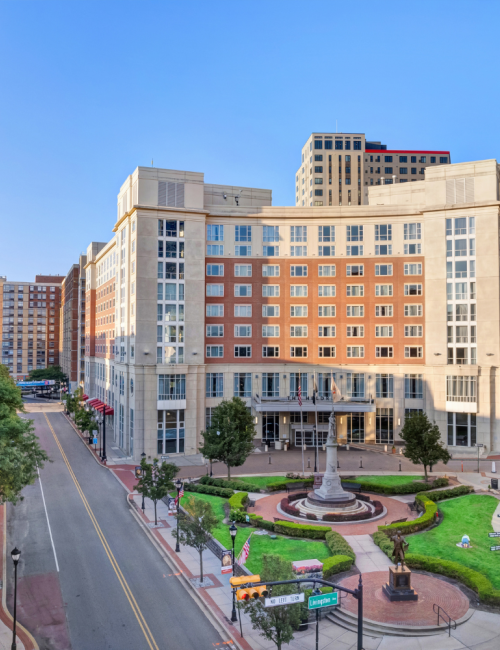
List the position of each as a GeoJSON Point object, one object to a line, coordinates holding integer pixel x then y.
{"type": "Point", "coordinates": [205, 292]}
{"type": "Point", "coordinates": [338, 168]}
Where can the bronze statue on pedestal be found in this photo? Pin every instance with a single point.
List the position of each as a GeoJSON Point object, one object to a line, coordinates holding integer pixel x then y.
{"type": "Point", "coordinates": [400, 547]}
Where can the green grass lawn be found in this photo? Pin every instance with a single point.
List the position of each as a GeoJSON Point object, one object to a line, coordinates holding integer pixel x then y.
{"type": "Point", "coordinates": [467, 515]}
{"type": "Point", "coordinates": [399, 479]}
{"type": "Point", "coordinates": [289, 549]}
{"type": "Point", "coordinates": [261, 481]}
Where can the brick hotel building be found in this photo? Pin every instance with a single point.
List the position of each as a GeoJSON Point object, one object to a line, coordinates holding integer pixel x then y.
{"type": "Point", "coordinates": [207, 291]}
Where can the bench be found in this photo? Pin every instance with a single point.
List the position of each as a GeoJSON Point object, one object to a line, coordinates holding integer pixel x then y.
{"type": "Point", "coordinates": [353, 487]}
{"type": "Point", "coordinates": [291, 487]}
{"type": "Point", "coordinates": [399, 521]}
{"type": "Point", "coordinates": [278, 519]}
{"type": "Point", "coordinates": [413, 506]}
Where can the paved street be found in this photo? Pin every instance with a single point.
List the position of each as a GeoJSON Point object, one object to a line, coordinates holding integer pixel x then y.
{"type": "Point", "coordinates": [98, 583]}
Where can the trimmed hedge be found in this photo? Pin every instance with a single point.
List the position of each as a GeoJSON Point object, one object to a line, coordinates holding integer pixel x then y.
{"type": "Point", "coordinates": [238, 515]}
{"type": "Point", "coordinates": [425, 520]}
{"type": "Point", "coordinates": [384, 543]}
{"type": "Point", "coordinates": [259, 522]}
{"type": "Point", "coordinates": [405, 488]}
{"type": "Point", "coordinates": [292, 529]}
{"type": "Point", "coordinates": [238, 500]}
{"type": "Point", "coordinates": [338, 545]}
{"type": "Point", "coordinates": [458, 491]}
{"type": "Point", "coordinates": [225, 493]}
{"type": "Point", "coordinates": [233, 484]}
{"type": "Point", "coordinates": [336, 564]}
{"type": "Point", "coordinates": [288, 509]}
{"type": "Point", "coordinates": [281, 485]}
{"type": "Point", "coordinates": [473, 579]}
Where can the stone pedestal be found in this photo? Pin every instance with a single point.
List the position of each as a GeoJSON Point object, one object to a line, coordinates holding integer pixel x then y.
{"type": "Point", "coordinates": [399, 586]}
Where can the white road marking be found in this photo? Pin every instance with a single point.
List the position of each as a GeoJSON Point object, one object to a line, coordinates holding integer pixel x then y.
{"type": "Point", "coordinates": [48, 522]}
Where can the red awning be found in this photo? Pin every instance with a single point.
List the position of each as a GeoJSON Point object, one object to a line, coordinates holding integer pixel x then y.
{"type": "Point", "coordinates": [99, 407]}
{"type": "Point", "coordinates": [95, 403]}
{"type": "Point", "coordinates": [85, 397]}
{"type": "Point", "coordinates": [110, 411]}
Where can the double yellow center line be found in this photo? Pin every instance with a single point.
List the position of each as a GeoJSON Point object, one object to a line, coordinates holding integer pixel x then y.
{"type": "Point", "coordinates": [109, 553]}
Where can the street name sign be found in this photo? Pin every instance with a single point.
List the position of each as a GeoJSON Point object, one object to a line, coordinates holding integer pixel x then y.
{"type": "Point", "coordinates": [493, 534]}
{"type": "Point", "coordinates": [324, 600]}
{"type": "Point", "coordinates": [494, 548]}
{"type": "Point", "coordinates": [289, 599]}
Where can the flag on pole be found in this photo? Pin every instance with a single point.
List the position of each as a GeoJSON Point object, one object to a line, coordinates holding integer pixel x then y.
{"type": "Point", "coordinates": [245, 552]}
{"type": "Point", "coordinates": [181, 493]}
{"type": "Point", "coordinates": [336, 394]}
{"type": "Point", "coordinates": [300, 394]}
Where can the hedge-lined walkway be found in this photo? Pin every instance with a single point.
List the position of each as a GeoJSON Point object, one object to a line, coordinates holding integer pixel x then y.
{"type": "Point", "coordinates": [268, 508]}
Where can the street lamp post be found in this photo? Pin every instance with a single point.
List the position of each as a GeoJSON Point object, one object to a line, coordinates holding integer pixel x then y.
{"type": "Point", "coordinates": [143, 456]}
{"type": "Point", "coordinates": [103, 457]}
{"type": "Point", "coordinates": [15, 558]}
{"type": "Point", "coordinates": [232, 531]}
{"type": "Point", "coordinates": [178, 485]}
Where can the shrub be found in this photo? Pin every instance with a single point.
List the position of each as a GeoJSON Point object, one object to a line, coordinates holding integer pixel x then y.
{"type": "Point", "coordinates": [336, 564]}
{"type": "Point", "coordinates": [225, 493]}
{"type": "Point", "coordinates": [473, 579]}
{"type": "Point", "coordinates": [458, 491]}
{"type": "Point", "coordinates": [234, 484]}
{"type": "Point", "coordinates": [292, 529]}
{"type": "Point", "coordinates": [311, 516]}
{"type": "Point", "coordinates": [288, 509]}
{"type": "Point", "coordinates": [383, 542]}
{"type": "Point", "coordinates": [415, 525]}
{"type": "Point", "coordinates": [405, 488]}
{"type": "Point", "coordinates": [332, 517]}
{"type": "Point", "coordinates": [379, 508]}
{"type": "Point", "coordinates": [281, 485]}
{"type": "Point", "coordinates": [338, 545]}
{"type": "Point", "coordinates": [440, 482]}
{"type": "Point", "coordinates": [238, 500]}
{"type": "Point", "coordinates": [237, 515]}
{"type": "Point", "coordinates": [259, 522]}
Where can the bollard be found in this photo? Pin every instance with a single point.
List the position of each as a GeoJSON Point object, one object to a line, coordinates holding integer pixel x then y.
{"type": "Point", "coordinates": [385, 448]}
{"type": "Point", "coordinates": [338, 464]}
{"type": "Point", "coordinates": [399, 465]}
{"type": "Point", "coordinates": [270, 459]}
{"type": "Point", "coordinates": [462, 467]}
{"type": "Point", "coordinates": [361, 462]}
{"type": "Point", "coordinates": [308, 463]}
{"type": "Point", "coordinates": [266, 448]}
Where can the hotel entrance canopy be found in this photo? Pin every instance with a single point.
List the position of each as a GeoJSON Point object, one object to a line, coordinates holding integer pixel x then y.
{"type": "Point", "coordinates": [291, 404]}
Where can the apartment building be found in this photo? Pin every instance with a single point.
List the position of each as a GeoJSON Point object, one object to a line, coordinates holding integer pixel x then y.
{"type": "Point", "coordinates": [205, 292]}
{"type": "Point", "coordinates": [338, 168]}
{"type": "Point", "coordinates": [30, 324]}
{"type": "Point", "coordinates": [72, 316]}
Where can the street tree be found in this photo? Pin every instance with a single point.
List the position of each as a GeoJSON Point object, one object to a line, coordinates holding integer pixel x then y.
{"type": "Point", "coordinates": [195, 529]}
{"type": "Point", "coordinates": [275, 624]}
{"type": "Point", "coordinates": [52, 372]}
{"type": "Point", "coordinates": [20, 451]}
{"type": "Point", "coordinates": [423, 442]}
{"type": "Point", "coordinates": [156, 480]}
{"type": "Point", "coordinates": [85, 421]}
{"type": "Point", "coordinates": [229, 438]}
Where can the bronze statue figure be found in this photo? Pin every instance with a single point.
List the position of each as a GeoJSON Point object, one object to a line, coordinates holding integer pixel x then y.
{"type": "Point", "coordinates": [400, 546]}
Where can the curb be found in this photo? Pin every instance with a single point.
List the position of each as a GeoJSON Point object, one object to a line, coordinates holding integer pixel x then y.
{"type": "Point", "coordinates": [194, 593]}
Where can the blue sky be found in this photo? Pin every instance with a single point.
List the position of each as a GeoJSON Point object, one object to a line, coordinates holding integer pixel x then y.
{"type": "Point", "coordinates": [90, 90]}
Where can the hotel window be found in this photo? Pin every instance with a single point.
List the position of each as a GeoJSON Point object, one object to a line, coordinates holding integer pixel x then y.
{"type": "Point", "coordinates": [384, 385]}
{"type": "Point", "coordinates": [243, 330]}
{"type": "Point", "coordinates": [355, 290]}
{"type": "Point", "coordinates": [270, 270]}
{"type": "Point", "coordinates": [242, 311]}
{"type": "Point", "coordinates": [462, 429]}
{"type": "Point", "coordinates": [355, 384]}
{"type": "Point", "coordinates": [413, 352]}
{"type": "Point", "coordinates": [270, 290]}
{"type": "Point", "coordinates": [383, 310]}
{"type": "Point", "coordinates": [270, 351]}
{"type": "Point", "coordinates": [171, 387]}
{"type": "Point", "coordinates": [215, 232]}
{"type": "Point", "coordinates": [383, 330]}
{"type": "Point", "coordinates": [215, 249]}
{"type": "Point", "coordinates": [414, 269]}
{"type": "Point", "coordinates": [298, 290]}
{"type": "Point", "coordinates": [412, 230]}
{"type": "Point", "coordinates": [356, 331]}
{"type": "Point", "coordinates": [326, 352]}
{"type": "Point", "coordinates": [318, 181]}
{"type": "Point", "coordinates": [242, 384]}
{"type": "Point", "coordinates": [326, 251]}
{"type": "Point", "coordinates": [413, 249]}
{"type": "Point", "coordinates": [270, 251]}
{"type": "Point", "coordinates": [416, 310]}
{"type": "Point", "coordinates": [270, 331]}
{"type": "Point", "coordinates": [270, 311]}
{"type": "Point", "coordinates": [298, 271]}
{"type": "Point", "coordinates": [243, 270]}
{"type": "Point", "coordinates": [270, 384]}
{"type": "Point", "coordinates": [461, 389]}
{"type": "Point", "coordinates": [298, 234]}
{"type": "Point", "coordinates": [214, 384]}
{"type": "Point", "coordinates": [413, 387]}
{"type": "Point", "coordinates": [356, 269]}
{"type": "Point", "coordinates": [413, 290]}
{"type": "Point", "coordinates": [242, 290]}
{"type": "Point", "coordinates": [215, 330]}
{"type": "Point", "coordinates": [326, 330]}
{"type": "Point", "coordinates": [383, 289]}
{"type": "Point", "coordinates": [416, 330]}
{"type": "Point", "coordinates": [354, 311]}
{"type": "Point", "coordinates": [298, 352]}
{"type": "Point", "coordinates": [243, 233]}
{"type": "Point", "coordinates": [403, 170]}
{"type": "Point", "coordinates": [215, 310]}
{"type": "Point", "coordinates": [215, 269]}
{"type": "Point", "coordinates": [215, 290]}
{"type": "Point", "coordinates": [353, 251]}
{"type": "Point", "coordinates": [298, 330]}
{"type": "Point", "coordinates": [298, 311]}
{"type": "Point", "coordinates": [325, 271]}
{"type": "Point", "coordinates": [243, 351]}
{"type": "Point", "coordinates": [383, 233]}
{"type": "Point", "coordinates": [383, 249]}
{"type": "Point", "coordinates": [326, 233]}
{"type": "Point", "coordinates": [326, 311]}
{"type": "Point", "coordinates": [271, 234]}
{"type": "Point", "coordinates": [383, 269]}
{"type": "Point", "coordinates": [298, 251]}
{"type": "Point", "coordinates": [384, 352]}
{"type": "Point", "coordinates": [213, 351]}
{"type": "Point", "coordinates": [242, 251]}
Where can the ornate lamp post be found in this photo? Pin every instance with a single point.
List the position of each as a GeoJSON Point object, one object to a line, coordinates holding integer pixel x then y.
{"type": "Point", "coordinates": [143, 456]}
{"type": "Point", "coordinates": [233, 531]}
{"type": "Point", "coordinates": [178, 485]}
{"type": "Point", "coordinates": [15, 558]}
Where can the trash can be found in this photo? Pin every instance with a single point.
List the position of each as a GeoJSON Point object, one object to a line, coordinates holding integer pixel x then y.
{"type": "Point", "coordinates": [494, 484]}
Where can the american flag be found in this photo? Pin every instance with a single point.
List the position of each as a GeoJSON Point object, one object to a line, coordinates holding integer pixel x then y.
{"type": "Point", "coordinates": [300, 396]}
{"type": "Point", "coordinates": [181, 493]}
{"type": "Point", "coordinates": [245, 552]}
{"type": "Point", "coordinates": [336, 394]}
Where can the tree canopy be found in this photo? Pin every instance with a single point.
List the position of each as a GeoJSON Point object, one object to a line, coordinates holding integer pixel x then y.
{"type": "Point", "coordinates": [195, 530]}
{"type": "Point", "coordinates": [51, 372]}
{"type": "Point", "coordinates": [156, 480]}
{"type": "Point", "coordinates": [423, 441]}
{"type": "Point", "coordinates": [229, 438]}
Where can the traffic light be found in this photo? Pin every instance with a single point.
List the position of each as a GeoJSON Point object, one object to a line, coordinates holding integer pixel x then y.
{"type": "Point", "coordinates": [248, 592]}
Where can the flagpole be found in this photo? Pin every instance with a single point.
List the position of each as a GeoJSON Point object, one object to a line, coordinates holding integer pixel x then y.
{"type": "Point", "coordinates": [316, 456]}
{"type": "Point", "coordinates": [301, 423]}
